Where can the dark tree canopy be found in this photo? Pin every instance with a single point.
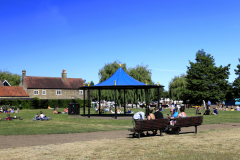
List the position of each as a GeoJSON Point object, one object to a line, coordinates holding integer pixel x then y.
{"type": "Point", "coordinates": [13, 79]}
{"type": "Point", "coordinates": [205, 81]}
{"type": "Point", "coordinates": [236, 83]}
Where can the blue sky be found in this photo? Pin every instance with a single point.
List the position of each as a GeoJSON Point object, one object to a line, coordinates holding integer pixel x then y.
{"type": "Point", "coordinates": [45, 37]}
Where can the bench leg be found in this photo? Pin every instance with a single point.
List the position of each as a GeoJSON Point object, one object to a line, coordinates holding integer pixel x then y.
{"type": "Point", "coordinates": [139, 134]}
{"type": "Point", "coordinates": [160, 132]}
{"type": "Point", "coordinates": [196, 129]}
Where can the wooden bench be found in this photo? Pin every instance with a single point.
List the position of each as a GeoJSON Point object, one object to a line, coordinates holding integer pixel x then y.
{"type": "Point", "coordinates": [187, 122]}
{"type": "Point", "coordinates": [149, 125]}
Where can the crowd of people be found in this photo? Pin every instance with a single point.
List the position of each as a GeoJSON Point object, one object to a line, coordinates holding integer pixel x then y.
{"type": "Point", "coordinates": [9, 110]}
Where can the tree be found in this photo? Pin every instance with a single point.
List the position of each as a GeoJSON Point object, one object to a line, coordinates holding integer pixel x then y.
{"type": "Point", "coordinates": [13, 79]}
{"type": "Point", "coordinates": [236, 83]}
{"type": "Point", "coordinates": [140, 73]}
{"type": "Point", "coordinates": [205, 81]}
{"type": "Point", "coordinates": [177, 86]}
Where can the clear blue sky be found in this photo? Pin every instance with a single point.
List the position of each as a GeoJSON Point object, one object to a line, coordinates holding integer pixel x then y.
{"type": "Point", "coordinates": [45, 37]}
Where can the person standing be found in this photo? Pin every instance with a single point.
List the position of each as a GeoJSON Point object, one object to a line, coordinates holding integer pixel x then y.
{"type": "Point", "coordinates": [209, 104]}
{"type": "Point", "coordinates": [204, 104]}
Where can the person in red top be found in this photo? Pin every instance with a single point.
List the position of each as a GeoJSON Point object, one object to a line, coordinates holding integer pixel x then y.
{"type": "Point", "coordinates": [66, 110]}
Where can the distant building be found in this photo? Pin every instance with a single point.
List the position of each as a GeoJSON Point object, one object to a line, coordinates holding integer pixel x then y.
{"type": "Point", "coordinates": [52, 87]}
{"type": "Point", "coordinates": [4, 83]}
{"type": "Point", "coordinates": [12, 92]}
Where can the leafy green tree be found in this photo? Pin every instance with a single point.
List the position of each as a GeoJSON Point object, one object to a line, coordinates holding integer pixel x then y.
{"type": "Point", "coordinates": [205, 81]}
{"type": "Point", "coordinates": [140, 73]}
{"type": "Point", "coordinates": [177, 86]}
{"type": "Point", "coordinates": [13, 79]}
{"type": "Point", "coordinates": [236, 83]}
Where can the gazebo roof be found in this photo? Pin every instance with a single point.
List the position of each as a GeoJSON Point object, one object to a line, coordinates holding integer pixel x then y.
{"type": "Point", "coordinates": [120, 79]}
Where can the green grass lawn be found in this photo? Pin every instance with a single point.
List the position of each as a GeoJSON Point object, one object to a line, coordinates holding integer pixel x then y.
{"type": "Point", "coordinates": [61, 124]}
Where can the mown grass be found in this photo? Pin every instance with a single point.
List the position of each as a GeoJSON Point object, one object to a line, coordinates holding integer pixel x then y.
{"type": "Point", "coordinates": [216, 144]}
{"type": "Point", "coordinates": [61, 123]}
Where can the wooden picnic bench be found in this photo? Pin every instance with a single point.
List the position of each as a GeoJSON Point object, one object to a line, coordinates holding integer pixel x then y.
{"type": "Point", "coordinates": [164, 106]}
{"type": "Point", "coordinates": [149, 125]}
{"type": "Point", "coordinates": [187, 122]}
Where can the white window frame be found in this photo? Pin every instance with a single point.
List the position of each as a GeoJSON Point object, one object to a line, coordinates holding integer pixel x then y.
{"type": "Point", "coordinates": [36, 91]}
{"type": "Point", "coordinates": [43, 93]}
{"type": "Point", "coordinates": [59, 91]}
{"type": "Point", "coordinates": [80, 92]}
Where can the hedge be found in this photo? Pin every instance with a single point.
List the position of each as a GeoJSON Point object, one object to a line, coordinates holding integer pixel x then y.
{"type": "Point", "coordinates": [37, 103]}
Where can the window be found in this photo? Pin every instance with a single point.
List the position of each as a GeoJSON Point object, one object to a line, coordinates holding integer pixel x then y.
{"type": "Point", "coordinates": [43, 92]}
{"type": "Point", "coordinates": [59, 92]}
{"type": "Point", "coordinates": [80, 92]}
{"type": "Point", "coordinates": [36, 92]}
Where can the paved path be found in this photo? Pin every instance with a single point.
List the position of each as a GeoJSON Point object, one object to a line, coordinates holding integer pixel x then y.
{"type": "Point", "coordinates": [35, 140]}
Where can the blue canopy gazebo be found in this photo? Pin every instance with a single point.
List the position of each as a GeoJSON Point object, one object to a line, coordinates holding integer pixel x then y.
{"type": "Point", "coordinates": [119, 80]}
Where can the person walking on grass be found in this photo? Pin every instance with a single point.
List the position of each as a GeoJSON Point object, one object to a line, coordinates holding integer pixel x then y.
{"type": "Point", "coordinates": [209, 104]}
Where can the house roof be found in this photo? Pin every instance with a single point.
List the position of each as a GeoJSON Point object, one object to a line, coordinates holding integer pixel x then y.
{"type": "Point", "coordinates": [52, 83]}
{"type": "Point", "coordinates": [4, 81]}
{"type": "Point", "coordinates": [12, 91]}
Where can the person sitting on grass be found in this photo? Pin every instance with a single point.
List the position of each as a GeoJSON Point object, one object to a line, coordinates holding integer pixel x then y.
{"type": "Point", "coordinates": [237, 108]}
{"type": "Point", "coordinates": [107, 109]}
{"type": "Point", "coordinates": [41, 116]}
{"type": "Point", "coordinates": [215, 112]}
{"type": "Point", "coordinates": [119, 111]}
{"type": "Point", "coordinates": [55, 111]}
{"type": "Point", "coordinates": [129, 111]}
{"type": "Point", "coordinates": [198, 110]}
{"type": "Point", "coordinates": [232, 109]}
{"type": "Point", "coordinates": [12, 111]}
{"type": "Point", "coordinates": [182, 113]}
{"type": "Point", "coordinates": [1, 110]}
{"type": "Point", "coordinates": [151, 115]}
{"type": "Point", "coordinates": [111, 111]}
{"type": "Point", "coordinates": [66, 110]}
{"type": "Point", "coordinates": [207, 112]}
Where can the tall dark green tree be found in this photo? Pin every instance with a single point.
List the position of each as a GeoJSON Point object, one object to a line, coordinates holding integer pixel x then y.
{"type": "Point", "coordinates": [177, 86]}
{"type": "Point", "coordinates": [236, 83]}
{"type": "Point", "coordinates": [13, 79]}
{"type": "Point", "coordinates": [205, 81]}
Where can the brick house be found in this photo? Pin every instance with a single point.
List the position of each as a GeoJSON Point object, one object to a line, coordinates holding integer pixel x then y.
{"type": "Point", "coordinates": [52, 87]}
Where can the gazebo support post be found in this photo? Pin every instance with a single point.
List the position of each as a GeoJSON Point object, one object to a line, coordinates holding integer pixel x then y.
{"type": "Point", "coordinates": [133, 99]}
{"type": "Point", "coordinates": [158, 99]}
{"type": "Point", "coordinates": [124, 102]}
{"type": "Point", "coordinates": [84, 102]}
{"type": "Point", "coordinates": [89, 104]}
{"type": "Point", "coordinates": [99, 94]}
{"type": "Point", "coordinates": [146, 102]}
{"type": "Point", "coordinates": [115, 105]}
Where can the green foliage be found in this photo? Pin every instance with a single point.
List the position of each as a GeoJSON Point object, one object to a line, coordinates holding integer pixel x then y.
{"type": "Point", "coordinates": [13, 79]}
{"type": "Point", "coordinates": [177, 87]}
{"type": "Point", "coordinates": [205, 81]}
{"type": "Point", "coordinates": [140, 73]}
{"type": "Point", "coordinates": [236, 83]}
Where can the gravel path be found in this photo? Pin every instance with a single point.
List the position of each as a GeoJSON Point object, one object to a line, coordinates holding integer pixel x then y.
{"type": "Point", "coordinates": [36, 140]}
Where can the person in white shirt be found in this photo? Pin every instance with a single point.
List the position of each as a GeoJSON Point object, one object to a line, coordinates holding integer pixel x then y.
{"type": "Point", "coordinates": [41, 116]}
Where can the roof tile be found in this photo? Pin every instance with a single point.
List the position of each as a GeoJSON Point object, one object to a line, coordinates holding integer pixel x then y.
{"type": "Point", "coordinates": [12, 91]}
{"type": "Point", "coordinates": [52, 82]}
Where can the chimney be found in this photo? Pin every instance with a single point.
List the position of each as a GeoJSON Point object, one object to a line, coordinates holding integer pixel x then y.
{"type": "Point", "coordinates": [64, 75]}
{"type": "Point", "coordinates": [23, 76]}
